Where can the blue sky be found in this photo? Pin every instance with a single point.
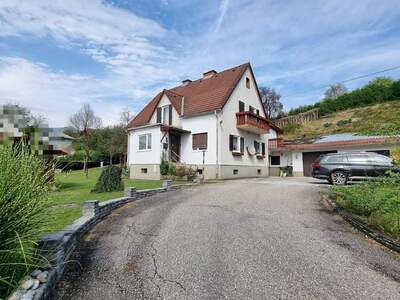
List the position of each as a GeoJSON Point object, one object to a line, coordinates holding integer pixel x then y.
{"type": "Point", "coordinates": [56, 55]}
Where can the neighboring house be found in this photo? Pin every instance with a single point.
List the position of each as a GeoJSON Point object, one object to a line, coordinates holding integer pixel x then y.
{"type": "Point", "coordinates": [216, 123]}
{"type": "Point", "coordinates": [300, 154]}
{"type": "Point", "coordinates": [15, 125]}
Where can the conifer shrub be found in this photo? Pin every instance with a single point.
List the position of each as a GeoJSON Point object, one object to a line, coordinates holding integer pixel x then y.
{"type": "Point", "coordinates": [110, 180]}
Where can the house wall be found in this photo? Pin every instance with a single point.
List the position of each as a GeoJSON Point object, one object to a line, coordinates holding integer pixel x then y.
{"type": "Point", "coordinates": [228, 126]}
{"type": "Point", "coordinates": [144, 159]}
{"type": "Point", "coordinates": [175, 116]}
{"type": "Point", "coordinates": [200, 124]}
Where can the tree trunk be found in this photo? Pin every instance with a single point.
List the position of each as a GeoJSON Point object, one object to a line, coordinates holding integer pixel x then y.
{"type": "Point", "coordinates": [111, 156]}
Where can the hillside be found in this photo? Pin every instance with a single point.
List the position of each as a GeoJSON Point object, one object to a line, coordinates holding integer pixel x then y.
{"type": "Point", "coordinates": [379, 119]}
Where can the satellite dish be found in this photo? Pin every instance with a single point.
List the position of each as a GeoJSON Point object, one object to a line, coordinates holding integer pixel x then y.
{"type": "Point", "coordinates": [251, 150]}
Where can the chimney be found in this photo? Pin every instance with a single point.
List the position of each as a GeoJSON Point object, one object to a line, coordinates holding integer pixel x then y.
{"type": "Point", "coordinates": [209, 74]}
{"type": "Point", "coordinates": [186, 82]}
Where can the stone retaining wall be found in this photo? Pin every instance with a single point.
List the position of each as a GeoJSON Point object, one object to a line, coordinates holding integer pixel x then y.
{"type": "Point", "coordinates": [57, 247]}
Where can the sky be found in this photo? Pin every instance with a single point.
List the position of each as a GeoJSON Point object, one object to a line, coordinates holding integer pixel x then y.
{"type": "Point", "coordinates": [56, 55]}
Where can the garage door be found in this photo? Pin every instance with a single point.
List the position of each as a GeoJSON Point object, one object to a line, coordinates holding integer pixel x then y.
{"type": "Point", "coordinates": [309, 158]}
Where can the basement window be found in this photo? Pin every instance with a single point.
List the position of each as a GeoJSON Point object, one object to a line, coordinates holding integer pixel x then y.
{"type": "Point", "coordinates": [258, 171]}
{"type": "Point", "coordinates": [275, 160]}
{"type": "Point", "coordinates": [235, 171]}
{"type": "Point", "coordinates": [143, 170]}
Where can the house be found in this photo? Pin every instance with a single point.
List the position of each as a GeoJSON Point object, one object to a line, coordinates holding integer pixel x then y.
{"type": "Point", "coordinates": [299, 154]}
{"type": "Point", "coordinates": [216, 124]}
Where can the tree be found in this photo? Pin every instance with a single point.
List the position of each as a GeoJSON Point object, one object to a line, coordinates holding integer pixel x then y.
{"type": "Point", "coordinates": [335, 90]}
{"type": "Point", "coordinates": [112, 141]}
{"type": "Point", "coordinates": [126, 118]}
{"type": "Point", "coordinates": [85, 123]}
{"type": "Point", "coordinates": [271, 101]}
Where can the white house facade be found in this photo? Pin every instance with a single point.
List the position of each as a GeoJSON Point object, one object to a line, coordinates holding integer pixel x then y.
{"type": "Point", "coordinates": [216, 124]}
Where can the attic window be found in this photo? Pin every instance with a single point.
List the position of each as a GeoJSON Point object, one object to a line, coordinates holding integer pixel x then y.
{"type": "Point", "coordinates": [248, 82]}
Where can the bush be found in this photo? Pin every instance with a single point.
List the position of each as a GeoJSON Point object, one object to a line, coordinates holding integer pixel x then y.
{"type": "Point", "coordinates": [164, 167]}
{"type": "Point", "coordinates": [181, 171]}
{"type": "Point", "coordinates": [343, 122]}
{"type": "Point", "coordinates": [172, 169]}
{"type": "Point", "coordinates": [110, 180]}
{"type": "Point", "coordinates": [327, 125]}
{"type": "Point", "coordinates": [23, 198]}
{"type": "Point", "coordinates": [396, 156]}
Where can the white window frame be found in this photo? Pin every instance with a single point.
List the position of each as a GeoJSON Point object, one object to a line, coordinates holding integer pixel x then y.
{"type": "Point", "coordinates": [148, 142]}
{"type": "Point", "coordinates": [237, 137]}
{"type": "Point", "coordinates": [165, 114]}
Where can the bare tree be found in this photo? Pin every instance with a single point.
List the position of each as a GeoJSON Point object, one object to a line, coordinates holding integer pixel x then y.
{"type": "Point", "coordinates": [335, 90]}
{"type": "Point", "coordinates": [84, 123]}
{"type": "Point", "coordinates": [126, 116]}
{"type": "Point", "coordinates": [271, 101]}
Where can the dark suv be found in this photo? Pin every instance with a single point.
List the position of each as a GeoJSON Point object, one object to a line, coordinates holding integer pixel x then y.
{"type": "Point", "coordinates": [338, 168]}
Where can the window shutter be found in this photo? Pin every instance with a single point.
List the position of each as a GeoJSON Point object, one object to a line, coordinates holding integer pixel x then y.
{"type": "Point", "coordinates": [230, 142]}
{"type": "Point", "coordinates": [241, 145]}
{"type": "Point", "coordinates": [199, 141]}
{"type": "Point", "coordinates": [241, 106]}
{"type": "Point", "coordinates": [263, 148]}
{"type": "Point", "coordinates": [170, 114]}
{"type": "Point", "coordinates": [158, 114]}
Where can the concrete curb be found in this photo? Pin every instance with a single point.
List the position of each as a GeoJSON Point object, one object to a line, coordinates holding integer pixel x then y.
{"type": "Point", "coordinates": [57, 247]}
{"type": "Point", "coordinates": [378, 236]}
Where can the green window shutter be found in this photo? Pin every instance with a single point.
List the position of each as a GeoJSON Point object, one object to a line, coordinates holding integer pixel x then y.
{"type": "Point", "coordinates": [242, 145]}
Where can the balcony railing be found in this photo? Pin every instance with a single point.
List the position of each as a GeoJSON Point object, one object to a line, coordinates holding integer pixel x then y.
{"type": "Point", "coordinates": [251, 122]}
{"type": "Point", "coordinates": [275, 143]}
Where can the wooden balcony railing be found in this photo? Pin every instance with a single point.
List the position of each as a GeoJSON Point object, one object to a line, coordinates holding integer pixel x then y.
{"type": "Point", "coordinates": [275, 143]}
{"type": "Point", "coordinates": [251, 122]}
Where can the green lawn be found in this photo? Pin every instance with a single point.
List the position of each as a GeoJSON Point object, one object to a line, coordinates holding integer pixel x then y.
{"type": "Point", "coordinates": [73, 189]}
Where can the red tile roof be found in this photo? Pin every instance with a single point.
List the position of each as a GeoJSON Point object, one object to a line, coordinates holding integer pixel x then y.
{"type": "Point", "coordinates": [202, 95]}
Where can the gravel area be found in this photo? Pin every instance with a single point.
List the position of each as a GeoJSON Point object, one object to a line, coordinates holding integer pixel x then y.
{"type": "Point", "coordinates": [241, 239]}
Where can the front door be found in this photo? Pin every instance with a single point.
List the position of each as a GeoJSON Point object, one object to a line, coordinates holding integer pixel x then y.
{"type": "Point", "coordinates": [174, 147]}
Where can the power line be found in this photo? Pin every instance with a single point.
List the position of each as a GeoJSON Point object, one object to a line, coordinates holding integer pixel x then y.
{"type": "Point", "coordinates": [344, 81]}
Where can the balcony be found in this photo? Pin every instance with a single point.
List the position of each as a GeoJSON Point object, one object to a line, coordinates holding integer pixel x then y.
{"type": "Point", "coordinates": [251, 122]}
{"type": "Point", "coordinates": [275, 143]}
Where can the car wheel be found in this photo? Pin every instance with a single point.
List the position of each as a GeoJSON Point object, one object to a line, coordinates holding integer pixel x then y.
{"type": "Point", "coordinates": [339, 178]}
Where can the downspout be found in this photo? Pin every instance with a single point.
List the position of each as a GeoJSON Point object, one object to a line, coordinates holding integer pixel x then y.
{"type": "Point", "coordinates": [217, 168]}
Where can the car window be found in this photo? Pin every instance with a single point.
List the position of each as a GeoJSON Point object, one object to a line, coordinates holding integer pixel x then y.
{"type": "Point", "coordinates": [382, 159]}
{"type": "Point", "coordinates": [334, 159]}
{"type": "Point", "coordinates": [359, 158]}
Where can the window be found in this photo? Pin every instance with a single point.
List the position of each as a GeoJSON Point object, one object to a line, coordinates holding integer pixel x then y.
{"type": "Point", "coordinates": [236, 144]}
{"type": "Point", "coordinates": [258, 171]}
{"type": "Point", "coordinates": [241, 106]}
{"type": "Point", "coordinates": [248, 82]}
{"type": "Point", "coordinates": [143, 170]}
{"type": "Point", "coordinates": [257, 112]}
{"type": "Point", "coordinates": [199, 141]}
{"type": "Point", "coordinates": [235, 171]}
{"type": "Point", "coordinates": [275, 160]}
{"type": "Point", "coordinates": [164, 114]}
{"type": "Point", "coordinates": [257, 147]}
{"type": "Point", "coordinates": [252, 109]}
{"type": "Point", "coordinates": [335, 159]}
{"type": "Point", "coordinates": [145, 141]}
{"type": "Point", "coordinates": [359, 159]}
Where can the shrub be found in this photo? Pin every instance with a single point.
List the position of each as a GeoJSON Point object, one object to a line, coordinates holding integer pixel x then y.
{"type": "Point", "coordinates": [110, 180]}
{"type": "Point", "coordinates": [172, 169]}
{"type": "Point", "coordinates": [23, 198]}
{"type": "Point", "coordinates": [327, 125]}
{"type": "Point", "coordinates": [181, 171]}
{"type": "Point", "coordinates": [343, 122]}
{"type": "Point", "coordinates": [164, 167]}
{"type": "Point", "coordinates": [396, 156]}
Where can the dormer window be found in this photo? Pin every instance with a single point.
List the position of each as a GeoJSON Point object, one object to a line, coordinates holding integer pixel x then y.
{"type": "Point", "coordinates": [164, 114]}
{"type": "Point", "coordinates": [248, 82]}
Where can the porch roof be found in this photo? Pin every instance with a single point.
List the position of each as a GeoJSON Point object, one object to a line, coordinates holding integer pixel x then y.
{"type": "Point", "coordinates": [169, 128]}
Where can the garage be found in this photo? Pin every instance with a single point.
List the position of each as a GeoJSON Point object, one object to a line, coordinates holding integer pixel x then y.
{"type": "Point", "coordinates": [309, 158]}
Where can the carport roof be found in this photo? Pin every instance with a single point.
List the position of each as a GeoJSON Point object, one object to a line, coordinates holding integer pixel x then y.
{"type": "Point", "coordinates": [337, 140]}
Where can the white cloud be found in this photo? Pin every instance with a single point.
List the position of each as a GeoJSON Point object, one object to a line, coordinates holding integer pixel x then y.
{"type": "Point", "coordinates": [56, 95]}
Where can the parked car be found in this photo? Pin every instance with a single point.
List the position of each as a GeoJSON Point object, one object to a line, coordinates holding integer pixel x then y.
{"type": "Point", "coordinates": [339, 168]}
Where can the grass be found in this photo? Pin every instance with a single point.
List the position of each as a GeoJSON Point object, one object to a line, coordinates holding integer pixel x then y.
{"type": "Point", "coordinates": [366, 120]}
{"type": "Point", "coordinates": [375, 203]}
{"type": "Point", "coordinates": [73, 189]}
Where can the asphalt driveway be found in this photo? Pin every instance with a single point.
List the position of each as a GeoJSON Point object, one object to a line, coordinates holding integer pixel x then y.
{"type": "Point", "coordinates": [242, 239]}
